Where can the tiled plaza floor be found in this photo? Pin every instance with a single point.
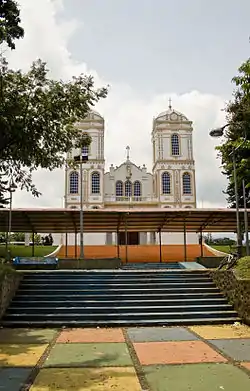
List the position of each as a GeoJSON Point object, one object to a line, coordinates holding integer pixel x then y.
{"type": "Point", "coordinates": [199, 358]}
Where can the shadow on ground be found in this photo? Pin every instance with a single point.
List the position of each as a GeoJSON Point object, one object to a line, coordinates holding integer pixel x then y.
{"type": "Point", "coordinates": [23, 347]}
{"type": "Point", "coordinates": [81, 379]}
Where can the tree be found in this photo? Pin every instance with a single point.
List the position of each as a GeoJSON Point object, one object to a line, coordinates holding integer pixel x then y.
{"type": "Point", "coordinates": [238, 117]}
{"type": "Point", "coordinates": [37, 238]}
{"type": "Point", "coordinates": [38, 119]}
{"type": "Point", "coordinates": [10, 28]}
{"type": "Point", "coordinates": [18, 237]}
{"type": "Point", "coordinates": [3, 189]}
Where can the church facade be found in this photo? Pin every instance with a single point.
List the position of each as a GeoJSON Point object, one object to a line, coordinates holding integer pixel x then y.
{"type": "Point", "coordinates": [169, 184]}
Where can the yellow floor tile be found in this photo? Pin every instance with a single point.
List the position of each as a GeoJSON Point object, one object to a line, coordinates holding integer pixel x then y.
{"type": "Point", "coordinates": [222, 332]}
{"type": "Point", "coordinates": [83, 379]}
{"type": "Point", "coordinates": [20, 355]}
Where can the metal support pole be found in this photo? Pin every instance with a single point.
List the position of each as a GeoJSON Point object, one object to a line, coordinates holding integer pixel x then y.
{"type": "Point", "coordinates": [75, 244]}
{"type": "Point", "coordinates": [239, 241]}
{"type": "Point", "coordinates": [66, 245]}
{"type": "Point", "coordinates": [33, 244]}
{"type": "Point", "coordinates": [185, 242]}
{"type": "Point", "coordinates": [81, 211]}
{"type": "Point", "coordinates": [245, 218]}
{"type": "Point", "coordinates": [126, 240]}
{"type": "Point", "coordinates": [117, 243]}
{"type": "Point", "coordinates": [201, 244]}
{"type": "Point", "coordinates": [160, 245]}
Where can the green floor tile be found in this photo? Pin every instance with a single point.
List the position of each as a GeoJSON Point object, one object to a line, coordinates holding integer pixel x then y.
{"type": "Point", "coordinates": [89, 355]}
{"type": "Point", "coordinates": [197, 377]}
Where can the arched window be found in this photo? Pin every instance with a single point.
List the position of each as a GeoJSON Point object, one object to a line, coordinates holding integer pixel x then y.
{"type": "Point", "coordinates": [128, 189]}
{"type": "Point", "coordinates": [95, 183]}
{"type": "Point", "coordinates": [137, 189]}
{"type": "Point", "coordinates": [175, 145]}
{"type": "Point", "coordinates": [73, 183]}
{"type": "Point", "coordinates": [166, 185]}
{"type": "Point", "coordinates": [186, 183]}
{"type": "Point", "coordinates": [119, 189]}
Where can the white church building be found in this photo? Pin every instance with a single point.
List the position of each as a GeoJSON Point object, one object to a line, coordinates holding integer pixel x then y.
{"type": "Point", "coordinates": [170, 183]}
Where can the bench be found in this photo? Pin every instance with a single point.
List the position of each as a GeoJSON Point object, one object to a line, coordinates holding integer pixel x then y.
{"type": "Point", "coordinates": [35, 263]}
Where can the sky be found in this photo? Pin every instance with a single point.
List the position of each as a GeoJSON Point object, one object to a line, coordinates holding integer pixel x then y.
{"type": "Point", "coordinates": [147, 51]}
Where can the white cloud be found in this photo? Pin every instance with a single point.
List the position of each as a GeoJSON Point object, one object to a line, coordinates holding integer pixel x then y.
{"type": "Point", "coordinates": [127, 112]}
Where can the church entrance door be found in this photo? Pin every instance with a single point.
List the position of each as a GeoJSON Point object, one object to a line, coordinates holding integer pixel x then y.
{"type": "Point", "coordinates": [132, 238]}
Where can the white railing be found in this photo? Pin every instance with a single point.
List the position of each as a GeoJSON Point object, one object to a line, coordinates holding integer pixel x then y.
{"type": "Point", "coordinates": [129, 199]}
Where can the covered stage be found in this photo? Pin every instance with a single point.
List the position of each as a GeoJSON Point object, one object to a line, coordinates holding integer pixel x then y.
{"type": "Point", "coordinates": [44, 220]}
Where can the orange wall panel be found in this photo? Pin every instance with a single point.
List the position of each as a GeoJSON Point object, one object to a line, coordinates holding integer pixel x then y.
{"type": "Point", "coordinates": [141, 253]}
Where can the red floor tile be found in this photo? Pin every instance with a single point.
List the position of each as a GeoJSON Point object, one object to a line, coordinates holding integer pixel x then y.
{"type": "Point", "coordinates": [91, 335]}
{"type": "Point", "coordinates": [181, 352]}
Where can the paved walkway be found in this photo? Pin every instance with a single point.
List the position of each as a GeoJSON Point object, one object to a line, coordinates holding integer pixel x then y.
{"type": "Point", "coordinates": [201, 358]}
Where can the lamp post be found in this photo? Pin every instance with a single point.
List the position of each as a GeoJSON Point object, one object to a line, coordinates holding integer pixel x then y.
{"type": "Point", "coordinates": [218, 132]}
{"type": "Point", "coordinates": [83, 157]}
{"type": "Point", "coordinates": [81, 211]}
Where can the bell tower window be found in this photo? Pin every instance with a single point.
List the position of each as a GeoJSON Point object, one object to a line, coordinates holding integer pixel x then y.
{"type": "Point", "coordinates": [175, 145]}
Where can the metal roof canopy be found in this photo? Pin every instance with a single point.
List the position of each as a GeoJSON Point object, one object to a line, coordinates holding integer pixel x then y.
{"type": "Point", "coordinates": [110, 220]}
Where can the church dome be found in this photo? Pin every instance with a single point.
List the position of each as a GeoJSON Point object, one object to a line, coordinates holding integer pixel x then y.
{"type": "Point", "coordinates": [171, 115]}
{"type": "Point", "coordinates": [96, 114]}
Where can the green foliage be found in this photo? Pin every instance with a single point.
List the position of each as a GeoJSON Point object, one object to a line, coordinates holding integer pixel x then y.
{"type": "Point", "coordinates": [223, 241]}
{"type": "Point", "coordinates": [4, 201]}
{"type": "Point", "coordinates": [37, 238]}
{"type": "Point", "coordinates": [17, 237]}
{"type": "Point", "coordinates": [238, 116]}
{"type": "Point", "coordinates": [37, 120]}
{"type": "Point", "coordinates": [242, 268]}
{"type": "Point", "coordinates": [2, 237]}
{"type": "Point", "coordinates": [10, 28]}
{"type": "Point", "coordinates": [6, 270]}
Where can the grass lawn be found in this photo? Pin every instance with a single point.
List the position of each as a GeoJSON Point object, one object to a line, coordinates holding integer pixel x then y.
{"type": "Point", "coordinates": [223, 248]}
{"type": "Point", "coordinates": [26, 251]}
{"type": "Point", "coordinates": [227, 249]}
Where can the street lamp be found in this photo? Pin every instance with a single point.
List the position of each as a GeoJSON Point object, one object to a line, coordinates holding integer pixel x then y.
{"type": "Point", "coordinates": [82, 158]}
{"type": "Point", "coordinates": [218, 132]}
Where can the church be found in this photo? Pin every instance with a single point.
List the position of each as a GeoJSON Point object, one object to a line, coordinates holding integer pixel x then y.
{"type": "Point", "coordinates": [170, 183]}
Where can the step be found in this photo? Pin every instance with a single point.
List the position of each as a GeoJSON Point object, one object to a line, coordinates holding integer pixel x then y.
{"type": "Point", "coordinates": [119, 292]}
{"type": "Point", "coordinates": [115, 309]}
{"type": "Point", "coordinates": [118, 323]}
{"type": "Point", "coordinates": [108, 295]}
{"type": "Point", "coordinates": [55, 303]}
{"type": "Point", "coordinates": [152, 267]}
{"type": "Point", "coordinates": [121, 315]}
{"type": "Point", "coordinates": [114, 285]}
{"type": "Point", "coordinates": [116, 272]}
{"type": "Point", "coordinates": [97, 280]}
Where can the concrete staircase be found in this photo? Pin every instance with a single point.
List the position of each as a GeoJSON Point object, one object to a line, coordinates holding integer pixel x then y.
{"type": "Point", "coordinates": [117, 298]}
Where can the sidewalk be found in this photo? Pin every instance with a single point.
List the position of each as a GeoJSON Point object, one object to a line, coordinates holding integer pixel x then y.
{"type": "Point", "coordinates": [199, 358]}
